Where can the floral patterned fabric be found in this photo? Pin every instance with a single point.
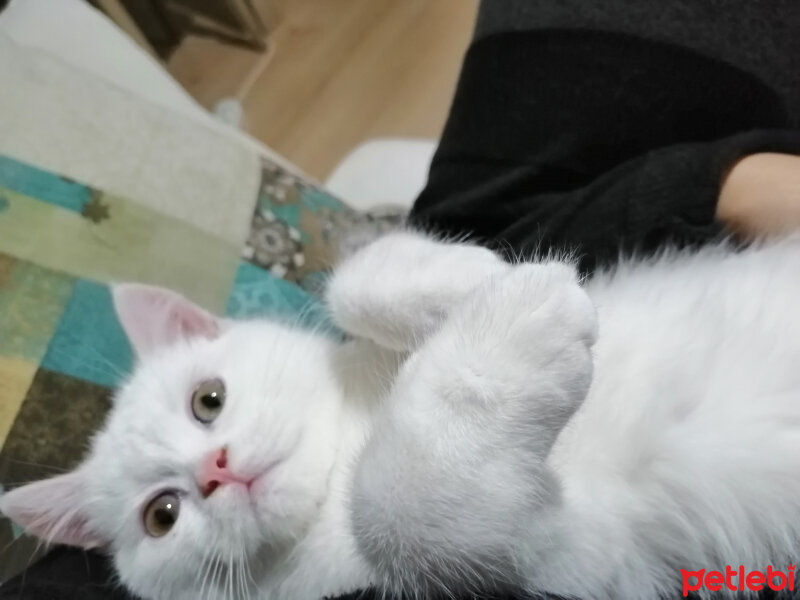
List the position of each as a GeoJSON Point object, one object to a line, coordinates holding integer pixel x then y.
{"type": "Point", "coordinates": [297, 226]}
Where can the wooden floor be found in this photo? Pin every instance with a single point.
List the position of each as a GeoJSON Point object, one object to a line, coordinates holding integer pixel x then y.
{"type": "Point", "coordinates": [338, 72]}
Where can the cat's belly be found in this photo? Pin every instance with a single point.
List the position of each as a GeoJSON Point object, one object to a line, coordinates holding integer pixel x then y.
{"type": "Point", "coordinates": [692, 422]}
{"type": "Point", "coordinates": [705, 347]}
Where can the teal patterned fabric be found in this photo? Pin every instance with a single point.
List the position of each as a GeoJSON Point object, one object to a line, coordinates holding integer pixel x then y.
{"type": "Point", "coordinates": [257, 293]}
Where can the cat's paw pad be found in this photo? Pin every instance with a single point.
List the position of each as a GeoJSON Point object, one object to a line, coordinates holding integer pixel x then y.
{"type": "Point", "coordinates": [567, 305]}
{"type": "Point", "coordinates": [542, 307]}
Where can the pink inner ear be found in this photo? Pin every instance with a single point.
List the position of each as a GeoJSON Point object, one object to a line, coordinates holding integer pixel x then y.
{"type": "Point", "coordinates": [72, 530]}
{"type": "Point", "coordinates": [193, 321]}
{"type": "Point", "coordinates": [53, 510]}
{"type": "Point", "coordinates": [153, 317]}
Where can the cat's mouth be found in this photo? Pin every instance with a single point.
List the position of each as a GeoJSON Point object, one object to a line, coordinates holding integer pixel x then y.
{"type": "Point", "coordinates": [255, 484]}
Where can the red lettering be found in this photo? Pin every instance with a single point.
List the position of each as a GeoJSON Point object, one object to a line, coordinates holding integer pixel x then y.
{"type": "Point", "coordinates": [714, 581]}
{"type": "Point", "coordinates": [729, 573]}
{"type": "Point", "coordinates": [771, 575]}
{"type": "Point", "coordinates": [755, 581]}
{"type": "Point", "coordinates": [692, 587]}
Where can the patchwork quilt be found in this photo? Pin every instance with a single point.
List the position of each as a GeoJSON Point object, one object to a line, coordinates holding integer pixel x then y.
{"type": "Point", "coordinates": [62, 351]}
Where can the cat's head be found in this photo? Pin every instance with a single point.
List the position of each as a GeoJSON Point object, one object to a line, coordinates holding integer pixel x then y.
{"type": "Point", "coordinates": [217, 451]}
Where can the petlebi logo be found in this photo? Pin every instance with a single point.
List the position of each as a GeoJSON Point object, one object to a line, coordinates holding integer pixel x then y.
{"type": "Point", "coordinates": [738, 579]}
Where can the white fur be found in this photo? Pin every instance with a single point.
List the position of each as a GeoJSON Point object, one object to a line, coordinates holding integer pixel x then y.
{"type": "Point", "coordinates": [285, 401]}
{"type": "Point", "coordinates": [496, 445]}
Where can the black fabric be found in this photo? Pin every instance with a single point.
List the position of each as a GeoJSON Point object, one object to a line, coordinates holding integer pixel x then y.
{"type": "Point", "coordinates": [66, 574]}
{"type": "Point", "coordinates": [593, 141]}
{"type": "Point", "coordinates": [758, 37]}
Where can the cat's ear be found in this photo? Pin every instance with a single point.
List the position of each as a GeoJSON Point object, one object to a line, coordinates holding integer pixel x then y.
{"type": "Point", "coordinates": [54, 510]}
{"type": "Point", "coordinates": [153, 317]}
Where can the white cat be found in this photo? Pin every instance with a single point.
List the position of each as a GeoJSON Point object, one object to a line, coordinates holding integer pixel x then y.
{"type": "Point", "coordinates": [454, 445]}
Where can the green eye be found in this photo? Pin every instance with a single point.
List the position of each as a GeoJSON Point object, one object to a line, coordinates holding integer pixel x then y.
{"type": "Point", "coordinates": [161, 513]}
{"type": "Point", "coordinates": [208, 399]}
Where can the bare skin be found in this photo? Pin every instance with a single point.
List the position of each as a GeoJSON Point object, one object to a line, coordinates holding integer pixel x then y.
{"type": "Point", "coordinates": [760, 195]}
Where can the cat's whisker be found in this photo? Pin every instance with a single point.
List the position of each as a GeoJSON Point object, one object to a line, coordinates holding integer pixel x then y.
{"type": "Point", "coordinates": [18, 483]}
{"type": "Point", "coordinates": [37, 464]}
{"type": "Point", "coordinates": [40, 544]}
{"type": "Point", "coordinates": [207, 570]}
{"type": "Point", "coordinates": [207, 590]}
{"type": "Point", "coordinates": [230, 575]}
{"type": "Point", "coordinates": [245, 582]}
{"type": "Point", "coordinates": [212, 580]}
{"type": "Point", "coordinates": [115, 368]}
{"type": "Point", "coordinates": [225, 572]}
{"type": "Point", "coordinates": [242, 582]}
{"type": "Point", "coordinates": [112, 369]}
{"type": "Point", "coordinates": [104, 370]}
{"type": "Point", "coordinates": [202, 572]}
{"type": "Point", "coordinates": [220, 579]}
{"type": "Point", "coordinates": [11, 543]}
{"type": "Point", "coordinates": [239, 590]}
{"type": "Point", "coordinates": [249, 573]}
{"type": "Point", "coordinates": [217, 573]}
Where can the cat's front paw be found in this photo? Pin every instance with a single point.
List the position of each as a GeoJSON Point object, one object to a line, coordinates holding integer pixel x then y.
{"type": "Point", "coordinates": [398, 290]}
{"type": "Point", "coordinates": [545, 306]}
{"type": "Point", "coordinates": [477, 408]}
{"type": "Point", "coordinates": [520, 347]}
{"type": "Point", "coordinates": [539, 310]}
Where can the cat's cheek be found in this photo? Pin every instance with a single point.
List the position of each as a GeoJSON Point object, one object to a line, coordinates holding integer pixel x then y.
{"type": "Point", "coordinates": [286, 512]}
{"type": "Point", "coordinates": [130, 577]}
{"type": "Point", "coordinates": [260, 490]}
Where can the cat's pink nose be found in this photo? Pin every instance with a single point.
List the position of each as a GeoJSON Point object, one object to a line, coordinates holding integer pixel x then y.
{"type": "Point", "coordinates": [214, 472]}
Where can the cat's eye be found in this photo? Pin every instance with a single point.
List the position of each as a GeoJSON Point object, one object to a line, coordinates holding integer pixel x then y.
{"type": "Point", "coordinates": [161, 513]}
{"type": "Point", "coordinates": [208, 399]}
